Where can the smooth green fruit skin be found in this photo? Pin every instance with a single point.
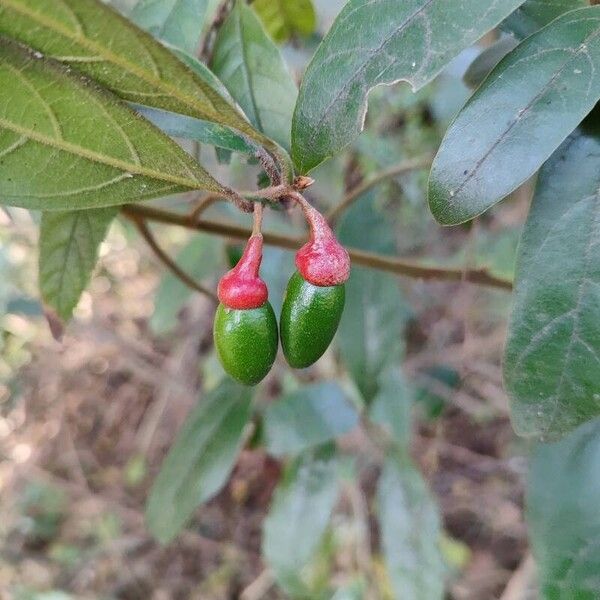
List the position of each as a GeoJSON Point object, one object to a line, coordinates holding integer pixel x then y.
{"type": "Point", "coordinates": [246, 341]}
{"type": "Point", "coordinates": [309, 319]}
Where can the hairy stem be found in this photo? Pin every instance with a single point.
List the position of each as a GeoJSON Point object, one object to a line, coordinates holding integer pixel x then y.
{"type": "Point", "coordinates": [389, 264]}
{"type": "Point", "coordinates": [421, 162]}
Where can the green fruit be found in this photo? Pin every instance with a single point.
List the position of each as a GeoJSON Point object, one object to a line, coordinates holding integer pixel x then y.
{"type": "Point", "coordinates": [246, 341]}
{"type": "Point", "coordinates": [309, 319]}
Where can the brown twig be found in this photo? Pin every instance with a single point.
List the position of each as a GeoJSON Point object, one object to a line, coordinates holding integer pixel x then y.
{"type": "Point", "coordinates": [389, 264]}
{"type": "Point", "coordinates": [145, 232]}
{"type": "Point", "coordinates": [209, 38]}
{"type": "Point", "coordinates": [421, 162]}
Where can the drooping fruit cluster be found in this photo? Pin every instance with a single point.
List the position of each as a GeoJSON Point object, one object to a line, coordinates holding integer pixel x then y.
{"type": "Point", "coordinates": [245, 329]}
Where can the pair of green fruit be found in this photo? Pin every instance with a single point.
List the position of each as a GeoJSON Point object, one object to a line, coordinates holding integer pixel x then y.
{"type": "Point", "coordinates": [247, 339]}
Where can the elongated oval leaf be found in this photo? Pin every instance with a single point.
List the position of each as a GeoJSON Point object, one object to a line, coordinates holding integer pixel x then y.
{"type": "Point", "coordinates": [66, 144]}
{"type": "Point", "coordinates": [527, 106]}
{"type": "Point", "coordinates": [250, 65]}
{"type": "Point", "coordinates": [535, 14]}
{"type": "Point", "coordinates": [94, 39]}
{"type": "Point", "coordinates": [69, 243]}
{"type": "Point", "coordinates": [563, 497]}
{"type": "Point", "coordinates": [375, 43]}
{"type": "Point", "coordinates": [200, 460]}
{"type": "Point", "coordinates": [411, 531]}
{"type": "Point", "coordinates": [176, 21]}
{"type": "Point", "coordinates": [552, 364]}
{"type": "Point", "coordinates": [285, 18]}
{"type": "Point", "coordinates": [311, 416]}
{"type": "Point", "coordinates": [300, 513]}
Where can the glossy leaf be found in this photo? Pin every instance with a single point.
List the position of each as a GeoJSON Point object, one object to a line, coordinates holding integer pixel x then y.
{"type": "Point", "coordinates": [200, 258]}
{"type": "Point", "coordinates": [176, 21]}
{"type": "Point", "coordinates": [66, 144]}
{"type": "Point", "coordinates": [374, 43]}
{"type": "Point", "coordinates": [68, 246]}
{"type": "Point", "coordinates": [200, 460]}
{"type": "Point", "coordinates": [286, 18]}
{"type": "Point", "coordinates": [552, 364]}
{"type": "Point", "coordinates": [410, 529]}
{"type": "Point", "coordinates": [481, 67]}
{"type": "Point", "coordinates": [311, 416]}
{"type": "Point", "coordinates": [392, 406]}
{"type": "Point", "coordinates": [300, 513]}
{"type": "Point", "coordinates": [250, 65]}
{"type": "Point", "coordinates": [562, 515]}
{"type": "Point", "coordinates": [528, 105]}
{"type": "Point", "coordinates": [535, 14]}
{"type": "Point", "coordinates": [94, 39]}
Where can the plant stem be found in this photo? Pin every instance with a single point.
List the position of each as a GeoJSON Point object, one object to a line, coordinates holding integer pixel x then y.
{"type": "Point", "coordinates": [145, 232]}
{"type": "Point", "coordinates": [389, 264]}
{"type": "Point", "coordinates": [421, 162]}
{"type": "Point", "coordinates": [258, 218]}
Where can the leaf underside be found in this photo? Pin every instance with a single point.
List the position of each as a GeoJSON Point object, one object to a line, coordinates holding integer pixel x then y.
{"type": "Point", "coordinates": [69, 243]}
{"type": "Point", "coordinates": [66, 144]}
{"type": "Point", "coordinates": [375, 42]}
{"type": "Point", "coordinates": [94, 39]}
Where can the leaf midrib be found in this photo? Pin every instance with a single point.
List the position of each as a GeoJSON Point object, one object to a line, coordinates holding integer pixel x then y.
{"type": "Point", "coordinates": [141, 73]}
{"type": "Point", "coordinates": [81, 152]}
{"type": "Point", "coordinates": [525, 111]}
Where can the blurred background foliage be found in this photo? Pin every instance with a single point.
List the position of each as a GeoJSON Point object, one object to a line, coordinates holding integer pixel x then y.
{"type": "Point", "coordinates": [402, 427]}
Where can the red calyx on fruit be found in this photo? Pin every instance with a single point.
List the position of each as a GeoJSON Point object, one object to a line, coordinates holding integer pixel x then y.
{"type": "Point", "coordinates": [322, 261]}
{"type": "Point", "coordinates": [242, 288]}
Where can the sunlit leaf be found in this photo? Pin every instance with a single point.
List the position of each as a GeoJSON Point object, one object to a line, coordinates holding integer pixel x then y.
{"type": "Point", "coordinates": [94, 39]}
{"type": "Point", "coordinates": [176, 21]}
{"type": "Point", "coordinates": [68, 246]}
{"type": "Point", "coordinates": [66, 144]}
{"type": "Point", "coordinates": [285, 18]}
{"type": "Point", "coordinates": [250, 65]}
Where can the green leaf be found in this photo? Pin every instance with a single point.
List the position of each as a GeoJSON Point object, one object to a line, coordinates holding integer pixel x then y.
{"type": "Point", "coordinates": [535, 14]}
{"type": "Point", "coordinates": [69, 244]}
{"type": "Point", "coordinates": [96, 40]}
{"type": "Point", "coordinates": [562, 515]}
{"type": "Point", "coordinates": [286, 18]}
{"type": "Point", "coordinates": [311, 416]}
{"type": "Point", "coordinates": [201, 459]}
{"type": "Point", "coordinates": [200, 258]}
{"type": "Point", "coordinates": [410, 529]}
{"type": "Point", "coordinates": [299, 515]}
{"type": "Point", "coordinates": [250, 65]}
{"type": "Point", "coordinates": [480, 68]}
{"type": "Point", "coordinates": [178, 22]}
{"type": "Point", "coordinates": [392, 406]}
{"type": "Point", "coordinates": [375, 43]}
{"type": "Point", "coordinates": [189, 128]}
{"type": "Point", "coordinates": [93, 149]}
{"type": "Point", "coordinates": [552, 363]}
{"type": "Point", "coordinates": [522, 112]}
